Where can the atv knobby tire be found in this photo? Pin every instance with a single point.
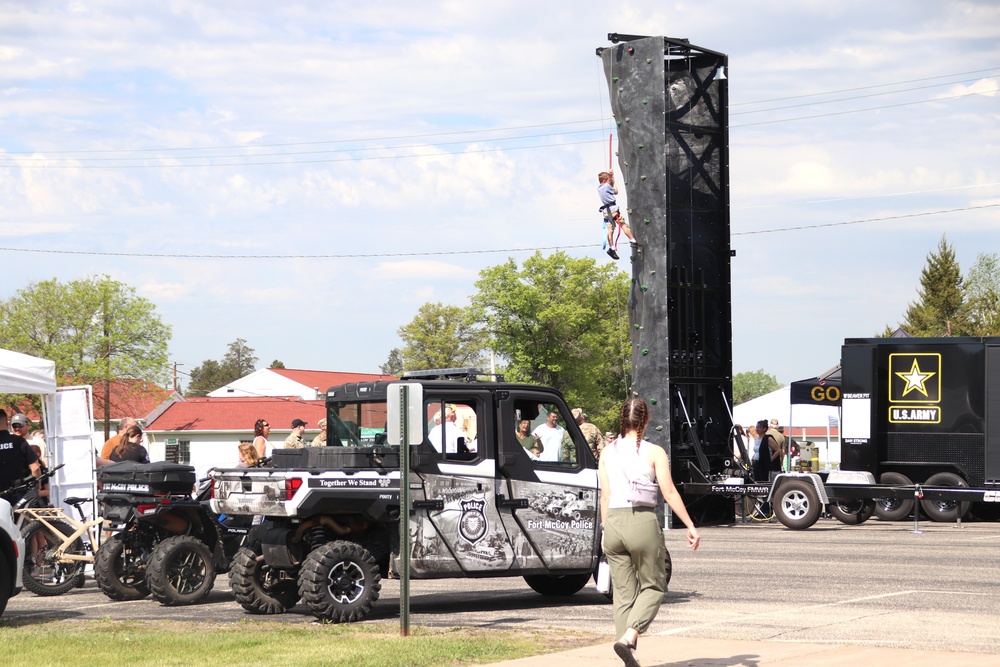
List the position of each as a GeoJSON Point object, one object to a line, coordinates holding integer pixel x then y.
{"type": "Point", "coordinates": [181, 571]}
{"type": "Point", "coordinates": [257, 587]}
{"type": "Point", "coordinates": [340, 582]}
{"type": "Point", "coordinates": [121, 571]}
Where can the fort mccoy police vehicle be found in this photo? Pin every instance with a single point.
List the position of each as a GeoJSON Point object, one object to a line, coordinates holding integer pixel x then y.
{"type": "Point", "coordinates": [481, 504]}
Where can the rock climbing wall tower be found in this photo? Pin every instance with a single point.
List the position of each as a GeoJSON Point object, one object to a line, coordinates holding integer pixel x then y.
{"type": "Point", "coordinates": [670, 104]}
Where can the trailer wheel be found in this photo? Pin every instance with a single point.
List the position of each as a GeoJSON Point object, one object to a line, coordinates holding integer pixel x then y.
{"type": "Point", "coordinates": [945, 511]}
{"type": "Point", "coordinates": [796, 504]}
{"type": "Point", "coordinates": [853, 512]}
{"type": "Point", "coordinates": [892, 509]}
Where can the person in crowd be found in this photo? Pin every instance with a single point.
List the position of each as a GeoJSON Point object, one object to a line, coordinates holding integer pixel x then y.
{"type": "Point", "coordinates": [593, 434]}
{"type": "Point", "coordinates": [767, 455]}
{"type": "Point", "coordinates": [320, 440]}
{"type": "Point", "coordinates": [294, 439]}
{"type": "Point", "coordinates": [248, 455]}
{"type": "Point", "coordinates": [524, 436]}
{"type": "Point", "coordinates": [129, 447]}
{"type": "Point", "coordinates": [113, 441]}
{"type": "Point", "coordinates": [37, 437]}
{"type": "Point", "coordinates": [262, 429]}
{"type": "Point", "coordinates": [632, 538]}
{"type": "Point", "coordinates": [43, 485]}
{"type": "Point", "coordinates": [551, 436]}
{"type": "Point", "coordinates": [446, 432]}
{"type": "Point", "coordinates": [17, 461]}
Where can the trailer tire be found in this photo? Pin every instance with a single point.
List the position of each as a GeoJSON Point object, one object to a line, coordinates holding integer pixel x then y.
{"type": "Point", "coordinates": [945, 511]}
{"type": "Point", "coordinates": [853, 512]}
{"type": "Point", "coordinates": [796, 504]}
{"type": "Point", "coordinates": [891, 509]}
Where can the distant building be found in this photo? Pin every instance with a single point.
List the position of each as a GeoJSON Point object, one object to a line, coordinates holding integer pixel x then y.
{"type": "Point", "coordinates": [205, 432]}
{"type": "Point", "coordinates": [308, 385]}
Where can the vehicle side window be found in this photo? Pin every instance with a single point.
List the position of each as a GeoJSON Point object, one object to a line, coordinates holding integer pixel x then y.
{"type": "Point", "coordinates": [540, 429]}
{"type": "Point", "coordinates": [452, 427]}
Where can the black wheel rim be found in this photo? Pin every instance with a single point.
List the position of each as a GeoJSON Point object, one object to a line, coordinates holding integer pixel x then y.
{"type": "Point", "coordinates": [187, 573]}
{"type": "Point", "coordinates": [346, 582]}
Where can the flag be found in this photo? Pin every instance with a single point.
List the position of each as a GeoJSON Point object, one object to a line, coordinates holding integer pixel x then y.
{"type": "Point", "coordinates": [833, 420]}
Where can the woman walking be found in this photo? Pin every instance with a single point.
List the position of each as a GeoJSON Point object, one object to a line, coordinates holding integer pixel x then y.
{"type": "Point", "coordinates": [632, 538]}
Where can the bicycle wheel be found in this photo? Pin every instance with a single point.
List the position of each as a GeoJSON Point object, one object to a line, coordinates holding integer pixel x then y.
{"type": "Point", "coordinates": [44, 574]}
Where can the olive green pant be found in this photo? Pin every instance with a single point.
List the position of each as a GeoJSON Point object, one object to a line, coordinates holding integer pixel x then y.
{"type": "Point", "coordinates": [633, 544]}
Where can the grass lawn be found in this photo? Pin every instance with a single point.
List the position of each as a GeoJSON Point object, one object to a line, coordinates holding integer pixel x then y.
{"type": "Point", "coordinates": [265, 643]}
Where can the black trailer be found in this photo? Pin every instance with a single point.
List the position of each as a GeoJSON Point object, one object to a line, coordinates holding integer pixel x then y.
{"type": "Point", "coordinates": [920, 424]}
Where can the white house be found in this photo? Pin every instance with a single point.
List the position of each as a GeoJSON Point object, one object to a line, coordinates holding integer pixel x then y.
{"type": "Point", "coordinates": [308, 385]}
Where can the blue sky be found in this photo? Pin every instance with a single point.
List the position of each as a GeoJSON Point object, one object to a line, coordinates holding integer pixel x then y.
{"type": "Point", "coordinates": [369, 159]}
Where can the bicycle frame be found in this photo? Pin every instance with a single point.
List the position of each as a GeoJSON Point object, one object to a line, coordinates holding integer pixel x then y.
{"type": "Point", "coordinates": [48, 514]}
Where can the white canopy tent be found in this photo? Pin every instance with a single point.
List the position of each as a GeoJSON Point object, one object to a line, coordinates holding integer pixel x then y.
{"type": "Point", "coordinates": [778, 405]}
{"type": "Point", "coordinates": [67, 412]}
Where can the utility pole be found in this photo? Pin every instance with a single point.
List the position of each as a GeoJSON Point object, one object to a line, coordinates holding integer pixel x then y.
{"type": "Point", "coordinates": [175, 374]}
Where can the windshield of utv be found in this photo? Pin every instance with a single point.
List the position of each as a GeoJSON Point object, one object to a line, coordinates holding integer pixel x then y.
{"type": "Point", "coordinates": [356, 424]}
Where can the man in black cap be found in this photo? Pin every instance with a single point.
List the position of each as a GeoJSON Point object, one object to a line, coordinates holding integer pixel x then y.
{"type": "Point", "coordinates": [295, 441]}
{"type": "Point", "coordinates": [17, 460]}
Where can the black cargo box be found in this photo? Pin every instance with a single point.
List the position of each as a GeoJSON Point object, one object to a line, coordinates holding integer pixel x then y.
{"type": "Point", "coordinates": [337, 458]}
{"type": "Point", "coordinates": [155, 479]}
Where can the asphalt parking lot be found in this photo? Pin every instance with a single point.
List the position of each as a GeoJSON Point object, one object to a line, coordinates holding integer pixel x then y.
{"type": "Point", "coordinates": [878, 584]}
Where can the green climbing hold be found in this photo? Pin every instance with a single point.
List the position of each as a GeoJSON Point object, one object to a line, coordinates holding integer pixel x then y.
{"type": "Point", "coordinates": [614, 78]}
{"type": "Point", "coordinates": [619, 123]}
{"type": "Point", "coordinates": [636, 326]}
{"type": "Point", "coordinates": [645, 221]}
{"type": "Point", "coordinates": [639, 146]}
{"type": "Point", "coordinates": [645, 352]}
{"type": "Point", "coordinates": [645, 101]}
{"type": "Point", "coordinates": [644, 287]}
{"type": "Point", "coordinates": [653, 401]}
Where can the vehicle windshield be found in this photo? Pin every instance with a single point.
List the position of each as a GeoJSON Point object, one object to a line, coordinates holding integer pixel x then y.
{"type": "Point", "coordinates": [356, 424]}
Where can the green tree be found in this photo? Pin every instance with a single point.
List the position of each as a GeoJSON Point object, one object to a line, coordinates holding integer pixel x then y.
{"type": "Point", "coordinates": [982, 296]}
{"type": "Point", "coordinates": [394, 364]}
{"type": "Point", "coordinates": [277, 363]}
{"type": "Point", "coordinates": [751, 384]}
{"type": "Point", "coordinates": [96, 330]}
{"type": "Point", "coordinates": [563, 322]}
{"type": "Point", "coordinates": [238, 362]}
{"type": "Point", "coordinates": [439, 336]}
{"type": "Point", "coordinates": [939, 310]}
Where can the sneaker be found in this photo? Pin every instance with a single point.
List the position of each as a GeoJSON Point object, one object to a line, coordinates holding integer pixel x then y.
{"type": "Point", "coordinates": [612, 253]}
{"type": "Point", "coordinates": [634, 243]}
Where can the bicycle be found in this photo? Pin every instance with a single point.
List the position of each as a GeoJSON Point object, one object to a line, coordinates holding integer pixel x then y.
{"type": "Point", "coordinates": [57, 546]}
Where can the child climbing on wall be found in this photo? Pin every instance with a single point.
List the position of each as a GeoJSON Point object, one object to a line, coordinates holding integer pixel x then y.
{"type": "Point", "coordinates": [612, 216]}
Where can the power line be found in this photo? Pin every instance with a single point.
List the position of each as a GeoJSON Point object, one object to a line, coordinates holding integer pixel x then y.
{"type": "Point", "coordinates": [878, 85]}
{"type": "Point", "coordinates": [494, 130]}
{"type": "Point", "coordinates": [859, 97]}
{"type": "Point", "coordinates": [886, 106]}
{"type": "Point", "coordinates": [858, 222]}
{"type": "Point", "coordinates": [439, 253]}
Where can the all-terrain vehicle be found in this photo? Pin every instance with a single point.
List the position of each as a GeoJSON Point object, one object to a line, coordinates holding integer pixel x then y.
{"type": "Point", "coordinates": [169, 543]}
{"type": "Point", "coordinates": [331, 514]}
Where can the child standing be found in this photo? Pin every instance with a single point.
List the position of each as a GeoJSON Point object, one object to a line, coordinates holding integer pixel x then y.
{"type": "Point", "coordinates": [612, 216]}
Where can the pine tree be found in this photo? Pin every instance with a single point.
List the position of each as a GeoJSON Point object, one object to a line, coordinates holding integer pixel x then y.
{"type": "Point", "coordinates": [939, 310]}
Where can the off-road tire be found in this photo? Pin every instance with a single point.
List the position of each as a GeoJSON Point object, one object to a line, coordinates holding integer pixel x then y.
{"type": "Point", "coordinates": [556, 585]}
{"type": "Point", "coordinates": [796, 504]}
{"type": "Point", "coordinates": [945, 511]}
{"type": "Point", "coordinates": [256, 586]}
{"type": "Point", "coordinates": [340, 582]}
{"type": "Point", "coordinates": [890, 509]}
{"type": "Point", "coordinates": [181, 571]}
{"type": "Point", "coordinates": [59, 576]}
{"type": "Point", "coordinates": [852, 512]}
{"type": "Point", "coordinates": [120, 575]}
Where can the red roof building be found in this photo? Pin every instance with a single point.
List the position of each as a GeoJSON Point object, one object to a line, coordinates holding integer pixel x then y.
{"type": "Point", "coordinates": [291, 382]}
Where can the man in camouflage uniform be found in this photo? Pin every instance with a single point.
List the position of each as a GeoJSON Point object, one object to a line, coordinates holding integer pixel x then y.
{"type": "Point", "coordinates": [593, 434]}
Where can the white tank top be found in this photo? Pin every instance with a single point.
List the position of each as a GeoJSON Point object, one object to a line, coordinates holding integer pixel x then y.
{"type": "Point", "coordinates": [618, 455]}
